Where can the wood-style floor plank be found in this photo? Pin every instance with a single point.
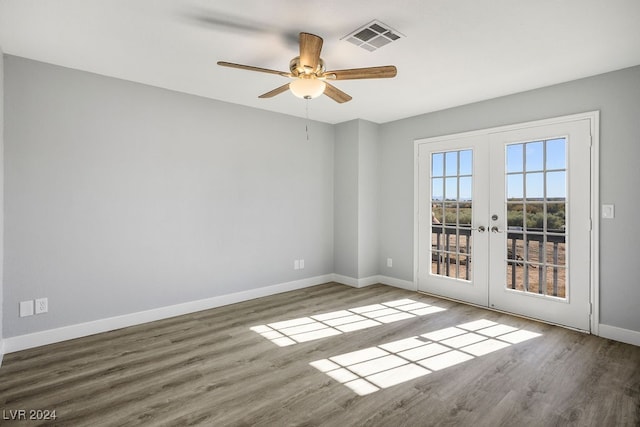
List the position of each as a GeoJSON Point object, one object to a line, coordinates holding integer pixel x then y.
{"type": "Point", "coordinates": [209, 368]}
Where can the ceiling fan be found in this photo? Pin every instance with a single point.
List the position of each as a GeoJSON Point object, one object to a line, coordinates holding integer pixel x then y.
{"type": "Point", "coordinates": [310, 76]}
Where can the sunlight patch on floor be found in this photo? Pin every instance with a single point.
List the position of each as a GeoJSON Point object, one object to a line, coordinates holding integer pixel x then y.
{"type": "Point", "coordinates": [324, 325]}
{"type": "Point", "coordinates": [371, 369]}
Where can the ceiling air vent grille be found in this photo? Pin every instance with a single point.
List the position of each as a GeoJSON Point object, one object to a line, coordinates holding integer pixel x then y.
{"type": "Point", "coordinates": [373, 36]}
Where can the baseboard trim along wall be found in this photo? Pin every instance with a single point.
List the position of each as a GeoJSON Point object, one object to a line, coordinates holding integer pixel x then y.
{"type": "Point", "coordinates": [50, 336]}
{"type": "Point", "coordinates": [372, 280]}
{"type": "Point", "coordinates": [619, 334]}
{"type": "Point", "coordinates": [36, 339]}
{"type": "Point", "coordinates": [352, 281]}
{"type": "Point", "coordinates": [398, 283]}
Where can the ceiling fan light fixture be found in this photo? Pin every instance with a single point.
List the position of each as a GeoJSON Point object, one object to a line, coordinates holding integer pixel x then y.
{"type": "Point", "coordinates": [307, 88]}
{"type": "Point", "coordinates": [309, 74]}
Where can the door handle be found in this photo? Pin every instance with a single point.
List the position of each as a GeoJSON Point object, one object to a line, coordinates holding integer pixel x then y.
{"type": "Point", "coordinates": [480, 228]}
{"type": "Point", "coordinates": [495, 229]}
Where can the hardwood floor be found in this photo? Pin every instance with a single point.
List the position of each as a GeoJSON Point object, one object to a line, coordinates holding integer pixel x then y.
{"type": "Point", "coordinates": [210, 368]}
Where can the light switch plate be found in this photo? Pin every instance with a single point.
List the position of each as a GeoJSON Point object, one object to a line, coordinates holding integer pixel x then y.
{"type": "Point", "coordinates": [608, 212]}
{"type": "Point", "coordinates": [26, 308]}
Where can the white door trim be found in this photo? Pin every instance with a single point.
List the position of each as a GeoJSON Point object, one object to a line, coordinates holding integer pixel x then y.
{"type": "Point", "coordinates": [594, 120]}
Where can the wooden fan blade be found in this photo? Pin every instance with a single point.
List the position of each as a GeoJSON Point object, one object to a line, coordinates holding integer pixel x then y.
{"type": "Point", "coordinates": [276, 91]}
{"type": "Point", "coordinates": [310, 47]}
{"type": "Point", "coordinates": [384, 72]}
{"type": "Point", "coordinates": [336, 94]}
{"type": "Point", "coordinates": [252, 68]}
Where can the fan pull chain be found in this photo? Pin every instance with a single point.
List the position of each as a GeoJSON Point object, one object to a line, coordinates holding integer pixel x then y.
{"type": "Point", "coordinates": [307, 125]}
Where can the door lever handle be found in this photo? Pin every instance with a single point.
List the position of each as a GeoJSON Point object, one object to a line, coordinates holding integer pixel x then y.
{"type": "Point", "coordinates": [480, 228]}
{"type": "Point", "coordinates": [495, 229]}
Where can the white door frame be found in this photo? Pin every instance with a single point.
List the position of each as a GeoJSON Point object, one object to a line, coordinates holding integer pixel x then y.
{"type": "Point", "coordinates": [594, 120]}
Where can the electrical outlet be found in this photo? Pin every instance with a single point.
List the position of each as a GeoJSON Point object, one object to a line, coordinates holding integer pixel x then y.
{"type": "Point", "coordinates": [42, 305]}
{"type": "Point", "coordinates": [389, 262]}
{"type": "Point", "coordinates": [301, 264]}
{"type": "Point", "coordinates": [296, 264]}
{"type": "Point", "coordinates": [26, 308]}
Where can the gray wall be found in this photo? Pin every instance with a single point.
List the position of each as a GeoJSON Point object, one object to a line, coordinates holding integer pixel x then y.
{"type": "Point", "coordinates": [122, 197]}
{"type": "Point", "coordinates": [616, 95]}
{"type": "Point", "coordinates": [367, 199]}
{"type": "Point", "coordinates": [356, 199]}
{"type": "Point", "coordinates": [345, 216]}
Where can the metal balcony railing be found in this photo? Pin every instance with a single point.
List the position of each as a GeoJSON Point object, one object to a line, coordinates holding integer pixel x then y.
{"type": "Point", "coordinates": [451, 256]}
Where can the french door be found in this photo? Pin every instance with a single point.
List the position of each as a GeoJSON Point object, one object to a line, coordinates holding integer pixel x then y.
{"type": "Point", "coordinates": [453, 238]}
{"type": "Point", "coordinates": [504, 220]}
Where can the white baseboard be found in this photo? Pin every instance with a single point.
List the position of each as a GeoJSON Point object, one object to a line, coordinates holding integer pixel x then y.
{"type": "Point", "coordinates": [619, 334]}
{"type": "Point", "coordinates": [372, 280]}
{"type": "Point", "coordinates": [398, 283]}
{"type": "Point", "coordinates": [356, 283]}
{"type": "Point", "coordinates": [345, 280]}
{"type": "Point", "coordinates": [23, 342]}
{"type": "Point", "coordinates": [36, 339]}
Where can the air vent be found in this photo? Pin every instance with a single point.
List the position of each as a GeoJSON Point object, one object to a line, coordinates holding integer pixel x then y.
{"type": "Point", "coordinates": [373, 36]}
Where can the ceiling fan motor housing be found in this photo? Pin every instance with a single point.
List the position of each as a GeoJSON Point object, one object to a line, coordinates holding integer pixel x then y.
{"type": "Point", "coordinates": [298, 70]}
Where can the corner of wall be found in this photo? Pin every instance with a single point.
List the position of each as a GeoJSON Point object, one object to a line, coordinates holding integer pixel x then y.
{"type": "Point", "coordinates": [368, 195]}
{"type": "Point", "coordinates": [345, 200]}
{"type": "Point", "coordinates": [356, 194]}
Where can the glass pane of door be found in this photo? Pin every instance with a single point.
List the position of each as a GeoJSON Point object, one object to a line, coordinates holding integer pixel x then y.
{"type": "Point", "coordinates": [536, 201]}
{"type": "Point", "coordinates": [451, 213]}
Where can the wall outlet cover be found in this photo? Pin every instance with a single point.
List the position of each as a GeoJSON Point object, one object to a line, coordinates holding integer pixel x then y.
{"type": "Point", "coordinates": [42, 305]}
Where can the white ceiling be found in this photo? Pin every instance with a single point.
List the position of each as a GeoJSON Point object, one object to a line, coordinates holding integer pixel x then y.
{"type": "Point", "coordinates": [455, 51]}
